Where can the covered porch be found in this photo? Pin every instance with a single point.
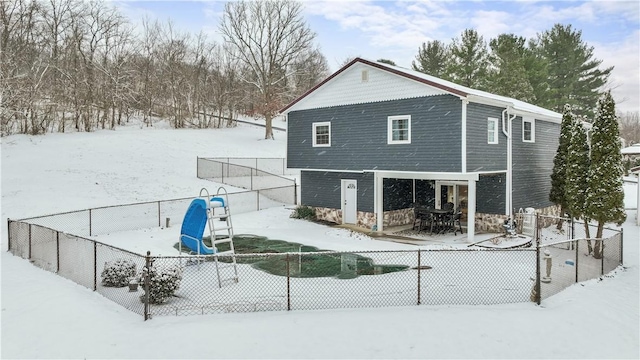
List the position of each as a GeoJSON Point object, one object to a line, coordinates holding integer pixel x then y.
{"type": "Point", "coordinates": [459, 188]}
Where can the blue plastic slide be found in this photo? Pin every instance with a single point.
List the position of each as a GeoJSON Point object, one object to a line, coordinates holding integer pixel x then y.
{"type": "Point", "coordinates": [195, 220]}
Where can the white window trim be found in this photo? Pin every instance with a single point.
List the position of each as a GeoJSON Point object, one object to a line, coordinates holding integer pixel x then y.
{"type": "Point", "coordinates": [495, 130]}
{"type": "Point", "coordinates": [532, 121]}
{"type": "Point", "coordinates": [314, 134]}
{"type": "Point", "coordinates": [390, 121]}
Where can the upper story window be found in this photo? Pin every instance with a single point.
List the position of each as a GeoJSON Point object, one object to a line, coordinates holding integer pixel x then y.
{"type": "Point", "coordinates": [528, 130]}
{"type": "Point", "coordinates": [321, 134]}
{"type": "Point", "coordinates": [399, 129]}
{"type": "Point", "coordinates": [492, 131]}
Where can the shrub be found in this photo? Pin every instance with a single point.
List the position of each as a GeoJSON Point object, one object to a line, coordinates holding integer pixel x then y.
{"type": "Point", "coordinates": [117, 273]}
{"type": "Point", "coordinates": [304, 212]}
{"type": "Point", "coordinates": [163, 283]}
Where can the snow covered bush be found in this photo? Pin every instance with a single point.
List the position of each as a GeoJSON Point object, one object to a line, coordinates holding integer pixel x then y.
{"type": "Point", "coordinates": [163, 283]}
{"type": "Point", "coordinates": [118, 272]}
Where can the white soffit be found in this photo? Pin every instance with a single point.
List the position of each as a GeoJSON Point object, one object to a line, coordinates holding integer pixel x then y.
{"type": "Point", "coordinates": [349, 88]}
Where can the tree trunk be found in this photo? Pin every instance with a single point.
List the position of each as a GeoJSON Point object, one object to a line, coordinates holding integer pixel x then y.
{"type": "Point", "coordinates": [588, 236]}
{"type": "Point", "coordinates": [597, 250]}
{"type": "Point", "coordinates": [268, 134]}
{"type": "Point", "coordinates": [560, 222]}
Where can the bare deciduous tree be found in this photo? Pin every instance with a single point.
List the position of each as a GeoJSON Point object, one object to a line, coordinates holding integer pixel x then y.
{"type": "Point", "coordinates": [268, 37]}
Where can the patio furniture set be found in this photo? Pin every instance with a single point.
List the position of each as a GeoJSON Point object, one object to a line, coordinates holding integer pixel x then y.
{"type": "Point", "coordinates": [437, 221]}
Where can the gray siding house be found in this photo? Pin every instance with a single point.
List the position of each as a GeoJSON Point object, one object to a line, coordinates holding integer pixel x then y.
{"type": "Point", "coordinates": [373, 139]}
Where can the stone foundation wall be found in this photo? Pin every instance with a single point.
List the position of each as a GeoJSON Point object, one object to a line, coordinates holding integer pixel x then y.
{"type": "Point", "coordinates": [363, 219]}
{"type": "Point", "coordinates": [367, 219]}
{"type": "Point", "coordinates": [494, 222]}
{"type": "Point", "coordinates": [398, 217]}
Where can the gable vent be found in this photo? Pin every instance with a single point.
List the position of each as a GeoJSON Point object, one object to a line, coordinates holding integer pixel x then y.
{"type": "Point", "coordinates": [365, 75]}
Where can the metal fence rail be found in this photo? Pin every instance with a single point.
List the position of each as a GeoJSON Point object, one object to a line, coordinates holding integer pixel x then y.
{"type": "Point", "coordinates": [312, 280]}
{"type": "Point", "coordinates": [276, 166]}
{"type": "Point", "coordinates": [242, 176]}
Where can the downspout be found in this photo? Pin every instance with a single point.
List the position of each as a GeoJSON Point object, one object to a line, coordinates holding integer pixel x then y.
{"type": "Point", "coordinates": [507, 130]}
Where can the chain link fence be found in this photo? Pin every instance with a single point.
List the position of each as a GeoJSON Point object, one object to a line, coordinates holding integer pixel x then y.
{"type": "Point", "coordinates": [275, 166]}
{"type": "Point", "coordinates": [248, 177]}
{"type": "Point", "coordinates": [187, 285]}
{"type": "Point", "coordinates": [570, 253]}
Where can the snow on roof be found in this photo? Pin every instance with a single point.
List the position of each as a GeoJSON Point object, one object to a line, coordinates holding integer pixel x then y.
{"type": "Point", "coordinates": [631, 150]}
{"type": "Point", "coordinates": [516, 104]}
{"type": "Point", "coordinates": [444, 85]}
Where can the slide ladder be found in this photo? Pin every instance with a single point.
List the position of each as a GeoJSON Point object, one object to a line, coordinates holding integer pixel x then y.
{"type": "Point", "coordinates": [221, 232]}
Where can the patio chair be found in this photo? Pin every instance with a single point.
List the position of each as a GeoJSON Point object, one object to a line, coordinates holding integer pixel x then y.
{"type": "Point", "coordinates": [422, 217]}
{"type": "Point", "coordinates": [455, 220]}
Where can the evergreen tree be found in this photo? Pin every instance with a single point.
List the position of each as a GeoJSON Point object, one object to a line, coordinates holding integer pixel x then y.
{"type": "Point", "coordinates": [537, 74]}
{"type": "Point", "coordinates": [432, 59]}
{"type": "Point", "coordinates": [507, 74]}
{"type": "Point", "coordinates": [577, 175]}
{"type": "Point", "coordinates": [557, 195]}
{"type": "Point", "coordinates": [574, 75]}
{"type": "Point", "coordinates": [386, 61]}
{"type": "Point", "coordinates": [469, 60]}
{"type": "Point", "coordinates": [605, 200]}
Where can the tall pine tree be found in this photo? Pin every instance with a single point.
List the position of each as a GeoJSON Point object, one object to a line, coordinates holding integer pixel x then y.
{"type": "Point", "coordinates": [577, 175]}
{"type": "Point", "coordinates": [557, 195]}
{"type": "Point", "coordinates": [574, 76]}
{"type": "Point", "coordinates": [507, 74]}
{"type": "Point", "coordinates": [469, 60]}
{"type": "Point", "coordinates": [432, 59]}
{"type": "Point", "coordinates": [605, 200]}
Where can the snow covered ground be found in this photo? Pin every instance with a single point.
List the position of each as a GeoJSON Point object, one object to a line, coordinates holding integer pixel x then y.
{"type": "Point", "coordinates": [46, 316]}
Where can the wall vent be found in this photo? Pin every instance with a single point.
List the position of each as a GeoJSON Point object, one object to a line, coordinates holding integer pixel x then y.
{"type": "Point", "coordinates": [365, 75]}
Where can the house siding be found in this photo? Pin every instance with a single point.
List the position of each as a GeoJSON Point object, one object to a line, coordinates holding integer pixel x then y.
{"type": "Point", "coordinates": [491, 194]}
{"type": "Point", "coordinates": [533, 164]}
{"type": "Point", "coordinates": [359, 136]}
{"type": "Point", "coordinates": [482, 156]}
{"type": "Point", "coordinates": [322, 189]}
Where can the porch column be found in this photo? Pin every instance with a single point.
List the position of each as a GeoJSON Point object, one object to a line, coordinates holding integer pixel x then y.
{"type": "Point", "coordinates": [471, 210]}
{"type": "Point", "coordinates": [378, 195]}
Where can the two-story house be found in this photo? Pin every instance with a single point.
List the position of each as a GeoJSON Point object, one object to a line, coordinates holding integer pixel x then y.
{"type": "Point", "coordinates": [372, 139]}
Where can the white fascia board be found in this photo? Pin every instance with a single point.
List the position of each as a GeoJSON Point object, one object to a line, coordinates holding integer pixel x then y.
{"type": "Point", "coordinates": [425, 175]}
{"type": "Point", "coordinates": [330, 170]}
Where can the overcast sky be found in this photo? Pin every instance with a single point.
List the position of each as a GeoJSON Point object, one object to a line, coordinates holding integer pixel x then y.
{"type": "Point", "coordinates": [395, 29]}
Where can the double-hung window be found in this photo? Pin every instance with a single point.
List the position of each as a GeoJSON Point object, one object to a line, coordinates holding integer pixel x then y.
{"type": "Point", "coordinates": [492, 131]}
{"type": "Point", "coordinates": [528, 130]}
{"type": "Point", "coordinates": [322, 134]}
{"type": "Point", "coordinates": [399, 129]}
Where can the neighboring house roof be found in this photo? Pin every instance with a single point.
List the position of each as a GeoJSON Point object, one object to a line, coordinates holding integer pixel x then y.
{"type": "Point", "coordinates": [631, 150]}
{"type": "Point", "coordinates": [443, 86]}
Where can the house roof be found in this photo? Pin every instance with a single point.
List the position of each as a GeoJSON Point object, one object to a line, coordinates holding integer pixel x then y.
{"type": "Point", "coordinates": [470, 94]}
{"type": "Point", "coordinates": [631, 150]}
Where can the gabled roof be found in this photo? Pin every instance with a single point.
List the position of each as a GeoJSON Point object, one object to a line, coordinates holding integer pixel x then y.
{"type": "Point", "coordinates": [470, 94]}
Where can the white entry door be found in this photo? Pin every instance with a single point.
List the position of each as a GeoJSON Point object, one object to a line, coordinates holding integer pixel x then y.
{"type": "Point", "coordinates": [349, 201]}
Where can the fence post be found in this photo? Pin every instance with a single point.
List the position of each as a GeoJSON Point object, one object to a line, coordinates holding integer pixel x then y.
{"type": "Point", "coordinates": [538, 288]}
{"type": "Point", "coordinates": [146, 285]}
{"type": "Point", "coordinates": [57, 252]}
{"type": "Point", "coordinates": [90, 234]}
{"type": "Point", "coordinates": [257, 200]}
{"type": "Point", "coordinates": [8, 234]}
{"type": "Point", "coordinates": [159, 221]}
{"type": "Point", "coordinates": [295, 192]}
{"type": "Point", "coordinates": [577, 257]}
{"type": "Point", "coordinates": [288, 285]}
{"type": "Point", "coordinates": [602, 258]}
{"type": "Point", "coordinates": [95, 266]}
{"type": "Point", "coordinates": [29, 242]}
{"type": "Point", "coordinates": [621, 244]}
{"type": "Point", "coordinates": [419, 266]}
